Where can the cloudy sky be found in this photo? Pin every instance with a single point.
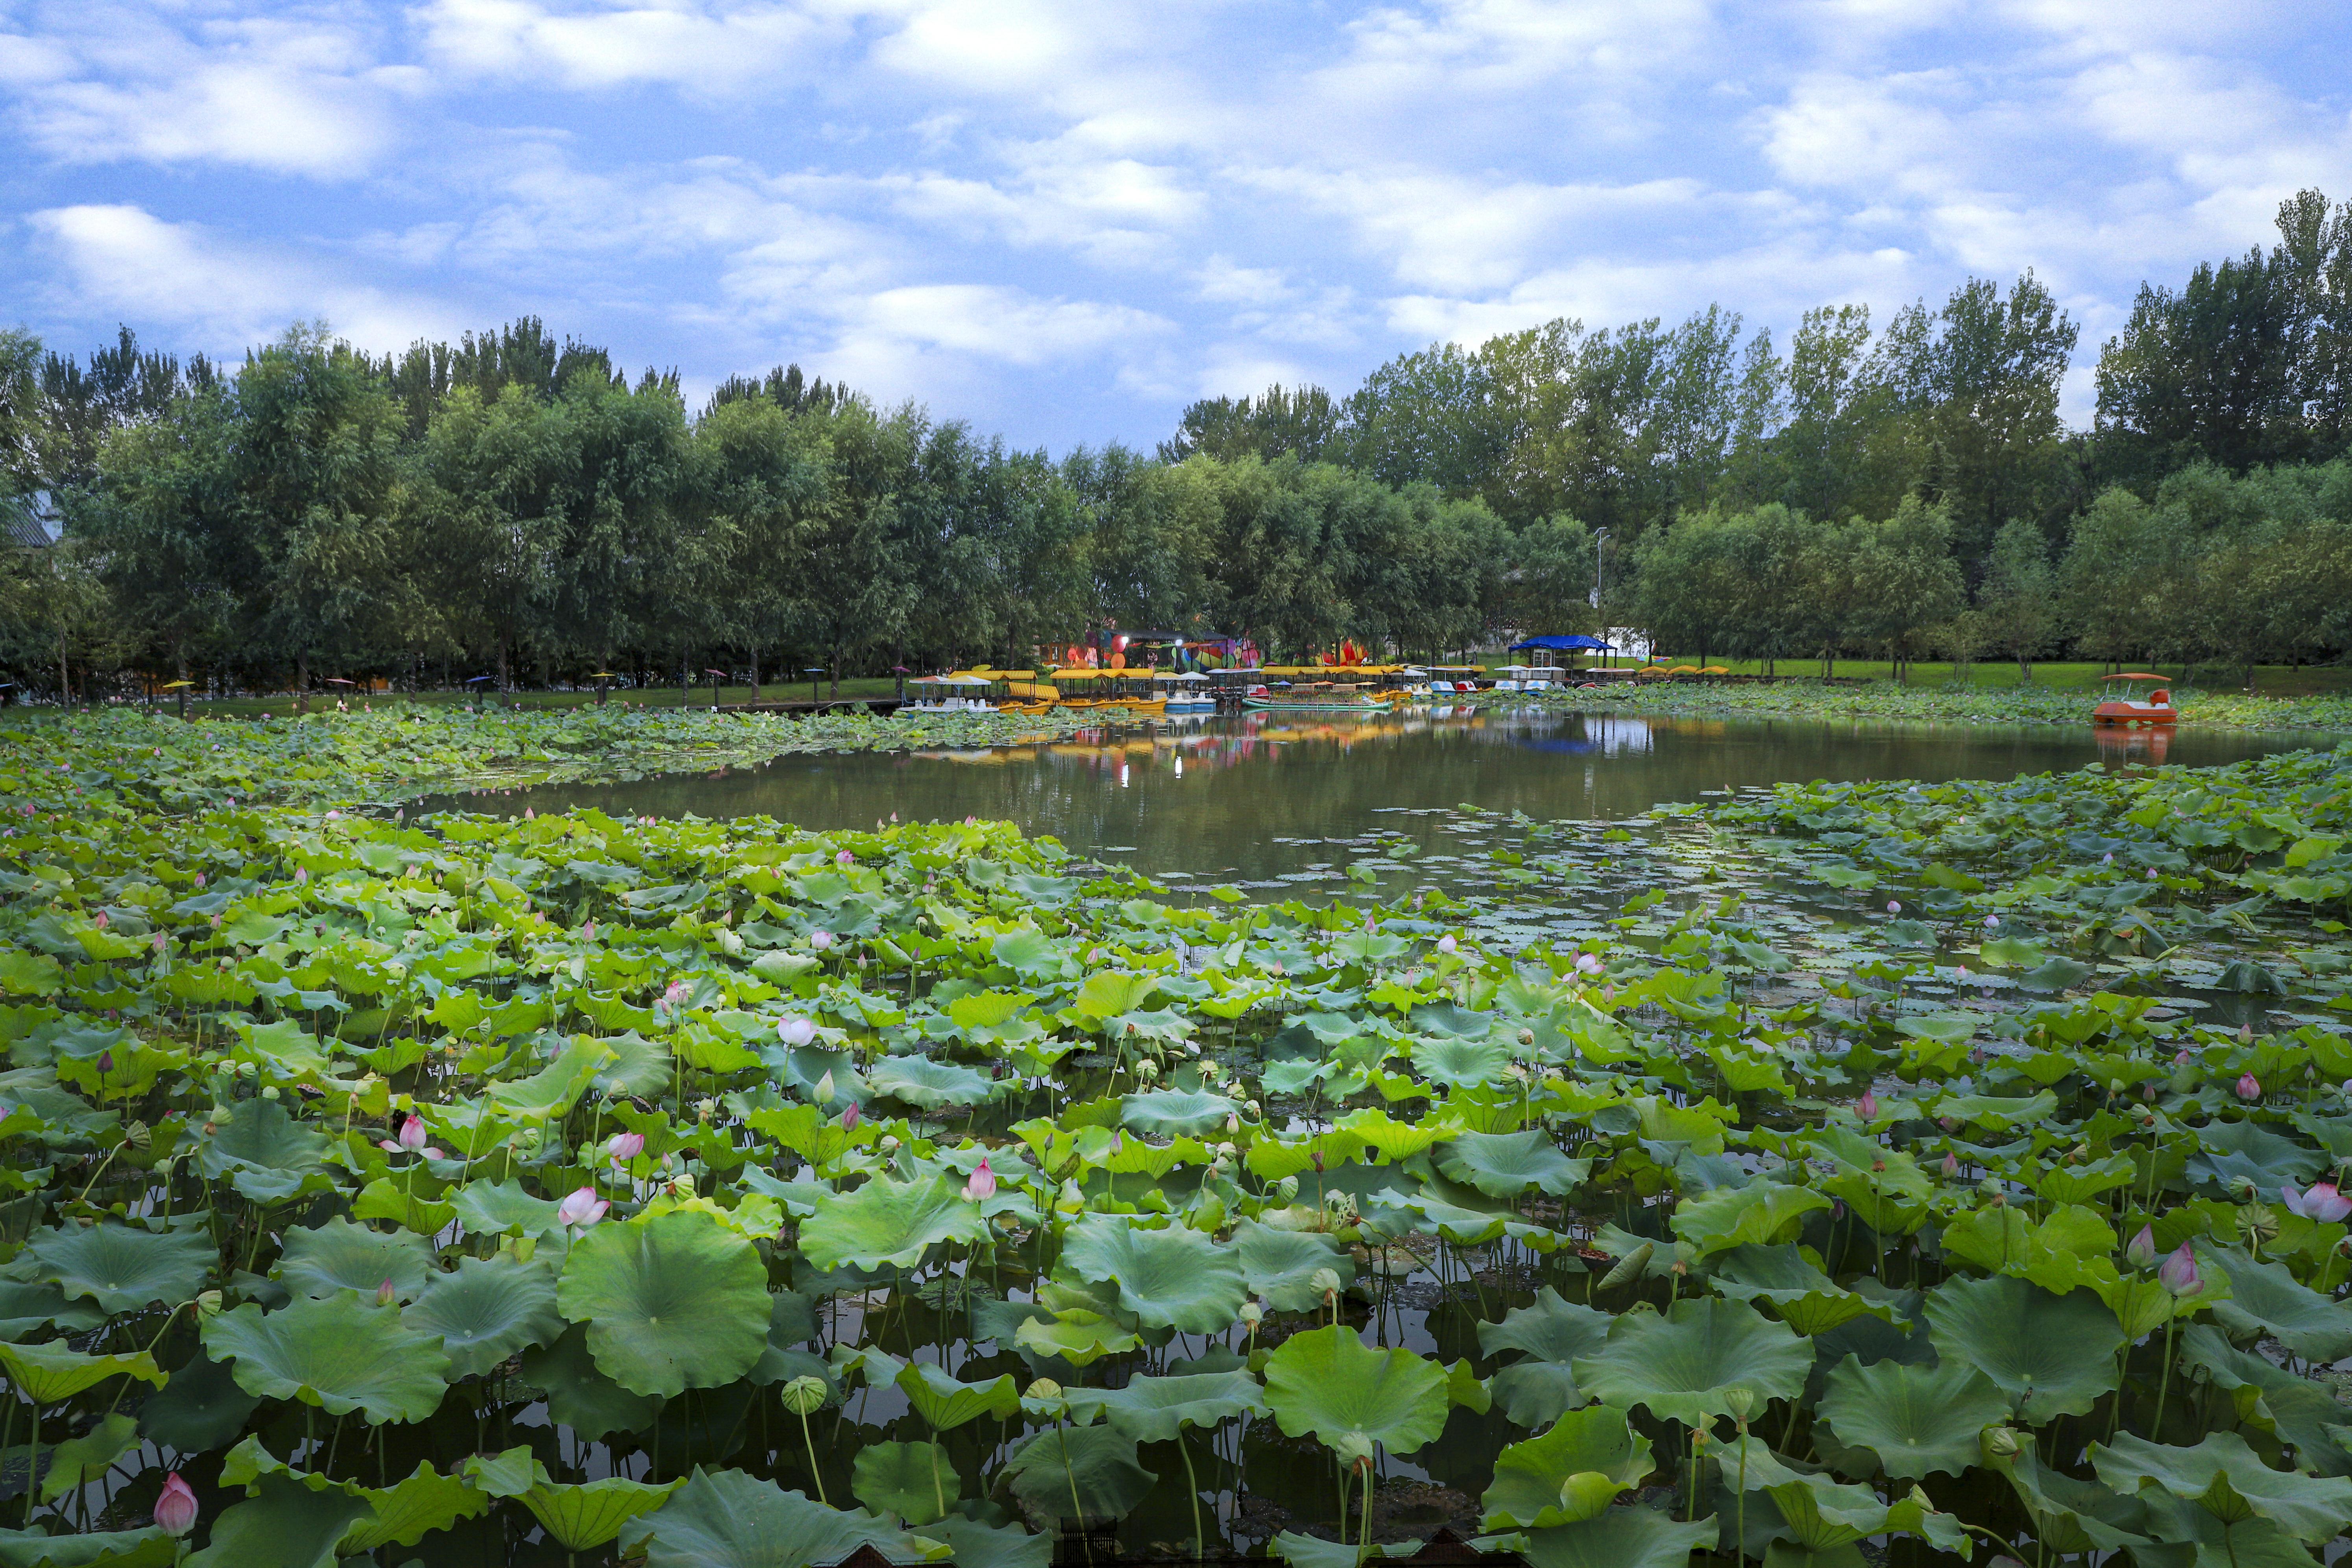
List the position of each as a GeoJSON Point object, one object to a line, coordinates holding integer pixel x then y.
{"type": "Point", "coordinates": [1062, 221]}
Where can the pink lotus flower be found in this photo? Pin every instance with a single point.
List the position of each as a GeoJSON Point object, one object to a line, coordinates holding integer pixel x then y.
{"type": "Point", "coordinates": [2140, 1251]}
{"type": "Point", "coordinates": [820, 939]}
{"type": "Point", "coordinates": [850, 1116]}
{"type": "Point", "coordinates": [200, 882]}
{"type": "Point", "coordinates": [1446, 944]}
{"type": "Point", "coordinates": [1867, 1106]}
{"type": "Point", "coordinates": [583, 1208]}
{"type": "Point", "coordinates": [588, 932]}
{"type": "Point", "coordinates": [176, 1507]}
{"type": "Point", "coordinates": [1951, 1167]}
{"type": "Point", "coordinates": [301, 874]}
{"type": "Point", "coordinates": [2180, 1057]}
{"type": "Point", "coordinates": [384, 1293]}
{"type": "Point", "coordinates": [158, 943]}
{"type": "Point", "coordinates": [674, 993]}
{"type": "Point", "coordinates": [2180, 1274]}
{"type": "Point", "coordinates": [98, 920]}
{"type": "Point", "coordinates": [2320, 1201]}
{"type": "Point", "coordinates": [845, 859]}
{"type": "Point", "coordinates": [982, 1185]}
{"type": "Point", "coordinates": [1589, 963]}
{"type": "Point", "coordinates": [794, 1030]}
{"type": "Point", "coordinates": [624, 1147]}
{"type": "Point", "coordinates": [1992, 922]}
{"type": "Point", "coordinates": [410, 1136]}
{"type": "Point", "coordinates": [1893, 906]}
{"type": "Point", "coordinates": [2250, 1087]}
{"type": "Point", "coordinates": [528, 815]}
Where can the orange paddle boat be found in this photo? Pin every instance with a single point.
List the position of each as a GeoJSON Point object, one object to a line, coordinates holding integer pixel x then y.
{"type": "Point", "coordinates": [2124, 702]}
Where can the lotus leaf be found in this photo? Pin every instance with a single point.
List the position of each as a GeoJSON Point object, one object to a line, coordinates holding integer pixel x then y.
{"type": "Point", "coordinates": [503, 1209]}
{"type": "Point", "coordinates": [1174, 1279]}
{"type": "Point", "coordinates": [1459, 1061]}
{"type": "Point", "coordinates": [1079, 1472]}
{"type": "Point", "coordinates": [285, 1525]}
{"type": "Point", "coordinates": [583, 1517]}
{"type": "Point", "coordinates": [929, 1083]}
{"type": "Point", "coordinates": [1156, 1409]}
{"type": "Point", "coordinates": [1917, 1420]}
{"type": "Point", "coordinates": [725, 1519]}
{"type": "Point", "coordinates": [1821, 1515]}
{"type": "Point", "coordinates": [1528, 1476]}
{"type": "Point", "coordinates": [1760, 1213]}
{"type": "Point", "coordinates": [945, 1404]}
{"type": "Point", "coordinates": [578, 1394]}
{"type": "Point", "coordinates": [890, 1222]}
{"type": "Point", "coordinates": [2266, 1295]}
{"type": "Point", "coordinates": [1176, 1113]}
{"type": "Point", "coordinates": [1681, 1365]}
{"type": "Point", "coordinates": [1620, 1538]}
{"type": "Point", "coordinates": [199, 1408]}
{"type": "Point", "coordinates": [120, 1268]}
{"type": "Point", "coordinates": [2052, 1355]}
{"type": "Point", "coordinates": [1511, 1165]}
{"type": "Point", "coordinates": [488, 1310]}
{"type": "Point", "coordinates": [341, 1256]}
{"type": "Point", "coordinates": [78, 1461]}
{"type": "Point", "coordinates": [1075, 1335]}
{"type": "Point", "coordinates": [979, 1545]}
{"type": "Point", "coordinates": [1326, 1383]}
{"type": "Point", "coordinates": [335, 1353]}
{"type": "Point", "coordinates": [916, 1481]}
{"type": "Point", "coordinates": [49, 1374]}
{"type": "Point", "coordinates": [148, 1548]}
{"type": "Point", "coordinates": [673, 1302]}
{"type": "Point", "coordinates": [1278, 1267]}
{"type": "Point", "coordinates": [2311, 1509]}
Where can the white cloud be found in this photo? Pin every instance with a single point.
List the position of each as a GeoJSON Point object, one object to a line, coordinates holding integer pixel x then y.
{"type": "Point", "coordinates": [703, 48]}
{"type": "Point", "coordinates": [122, 262]}
{"type": "Point", "coordinates": [292, 98]}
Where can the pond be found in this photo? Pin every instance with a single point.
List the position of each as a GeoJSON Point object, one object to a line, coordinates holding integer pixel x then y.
{"type": "Point", "coordinates": [1264, 801]}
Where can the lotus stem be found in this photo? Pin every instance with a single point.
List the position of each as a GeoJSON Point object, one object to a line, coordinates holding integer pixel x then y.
{"type": "Point", "coordinates": [1199, 1541]}
{"type": "Point", "coordinates": [2164, 1383]}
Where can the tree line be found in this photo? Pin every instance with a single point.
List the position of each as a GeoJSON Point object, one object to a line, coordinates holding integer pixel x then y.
{"type": "Point", "coordinates": [520, 508]}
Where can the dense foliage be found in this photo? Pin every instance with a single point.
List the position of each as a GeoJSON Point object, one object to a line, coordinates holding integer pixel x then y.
{"type": "Point", "coordinates": [514, 508]}
{"type": "Point", "coordinates": [498, 1190]}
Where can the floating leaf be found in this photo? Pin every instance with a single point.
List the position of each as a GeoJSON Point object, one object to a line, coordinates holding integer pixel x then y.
{"type": "Point", "coordinates": [673, 1302]}
{"type": "Point", "coordinates": [334, 1354]}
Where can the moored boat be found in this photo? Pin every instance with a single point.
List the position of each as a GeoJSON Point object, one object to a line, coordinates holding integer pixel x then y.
{"type": "Point", "coordinates": [2123, 702]}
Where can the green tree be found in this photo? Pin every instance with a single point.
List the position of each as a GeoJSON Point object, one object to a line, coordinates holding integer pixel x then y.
{"type": "Point", "coordinates": [1906, 583]}
{"type": "Point", "coordinates": [2018, 601]}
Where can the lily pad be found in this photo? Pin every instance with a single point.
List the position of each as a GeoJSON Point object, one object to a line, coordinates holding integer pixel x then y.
{"type": "Point", "coordinates": [120, 1268]}
{"type": "Point", "coordinates": [673, 1302]}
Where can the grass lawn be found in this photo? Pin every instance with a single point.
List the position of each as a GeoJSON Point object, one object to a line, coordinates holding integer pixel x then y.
{"type": "Point", "coordinates": [2270, 679]}
{"type": "Point", "coordinates": [866, 688]}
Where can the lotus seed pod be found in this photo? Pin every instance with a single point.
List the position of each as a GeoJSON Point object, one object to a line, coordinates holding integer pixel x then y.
{"type": "Point", "coordinates": [1739, 1402]}
{"type": "Point", "coordinates": [803, 1394]}
{"type": "Point", "coordinates": [1287, 1189]}
{"type": "Point", "coordinates": [1585, 1495]}
{"type": "Point", "coordinates": [1353, 1448]}
{"type": "Point", "coordinates": [1252, 1314]}
{"type": "Point", "coordinates": [2000, 1443]}
{"type": "Point", "coordinates": [1324, 1282]}
{"type": "Point", "coordinates": [209, 1304]}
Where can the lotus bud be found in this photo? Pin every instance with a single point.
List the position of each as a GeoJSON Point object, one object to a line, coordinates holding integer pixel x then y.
{"type": "Point", "coordinates": [1045, 1389]}
{"type": "Point", "coordinates": [805, 1394]}
{"type": "Point", "coordinates": [2140, 1251]}
{"type": "Point", "coordinates": [1739, 1402]}
{"type": "Point", "coordinates": [1992, 922]}
{"type": "Point", "coordinates": [624, 1147]}
{"type": "Point", "coordinates": [1446, 944]}
{"type": "Point", "coordinates": [412, 1133]}
{"type": "Point", "coordinates": [1867, 1106]}
{"type": "Point", "coordinates": [384, 1294]}
{"type": "Point", "coordinates": [889, 1145]}
{"type": "Point", "coordinates": [1893, 906]}
{"type": "Point", "coordinates": [1287, 1189]}
{"type": "Point", "coordinates": [176, 1507]}
{"type": "Point", "coordinates": [982, 1185]}
{"type": "Point", "coordinates": [2245, 1034]}
{"type": "Point", "coordinates": [1951, 1166]}
{"type": "Point", "coordinates": [820, 939]}
{"type": "Point", "coordinates": [209, 1304]}
{"type": "Point", "coordinates": [2250, 1087]}
{"type": "Point", "coordinates": [1232, 1121]}
{"type": "Point", "coordinates": [2000, 1443]}
{"type": "Point", "coordinates": [2179, 1274]}
{"type": "Point", "coordinates": [849, 1117]}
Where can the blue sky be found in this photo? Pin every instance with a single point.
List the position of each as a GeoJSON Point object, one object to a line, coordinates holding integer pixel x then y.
{"type": "Point", "coordinates": [1064, 221]}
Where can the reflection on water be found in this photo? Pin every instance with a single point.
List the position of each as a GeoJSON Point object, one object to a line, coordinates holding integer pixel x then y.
{"type": "Point", "coordinates": [1264, 796]}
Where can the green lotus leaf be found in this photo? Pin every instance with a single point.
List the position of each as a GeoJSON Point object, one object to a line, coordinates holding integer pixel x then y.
{"type": "Point", "coordinates": [1528, 1476]}
{"type": "Point", "coordinates": [488, 1310]}
{"type": "Point", "coordinates": [120, 1268]}
{"type": "Point", "coordinates": [549, 1093]}
{"type": "Point", "coordinates": [1680, 1366]}
{"type": "Point", "coordinates": [2051, 1355]}
{"type": "Point", "coordinates": [1174, 1279]}
{"type": "Point", "coordinates": [916, 1481]}
{"type": "Point", "coordinates": [148, 1548]}
{"type": "Point", "coordinates": [1761, 1213]}
{"type": "Point", "coordinates": [1620, 1538]}
{"type": "Point", "coordinates": [978, 1545]}
{"type": "Point", "coordinates": [2306, 1414]}
{"type": "Point", "coordinates": [508, 1473]}
{"type": "Point", "coordinates": [1278, 1267]}
{"type": "Point", "coordinates": [1077, 1335]}
{"type": "Point", "coordinates": [944, 1403]}
{"type": "Point", "coordinates": [725, 1519]}
{"type": "Point", "coordinates": [335, 1353]}
{"type": "Point", "coordinates": [199, 1408]}
{"type": "Point", "coordinates": [579, 1395]}
{"type": "Point", "coordinates": [286, 1525]}
{"type": "Point", "coordinates": [1325, 1382]}
{"type": "Point", "coordinates": [888, 1224]}
{"type": "Point", "coordinates": [929, 1083]}
{"type": "Point", "coordinates": [341, 1256]}
{"type": "Point", "coordinates": [1917, 1420]}
{"type": "Point", "coordinates": [1176, 1113]}
{"type": "Point", "coordinates": [1510, 1164]}
{"type": "Point", "coordinates": [1536, 1390]}
{"type": "Point", "coordinates": [636, 1067]}
{"type": "Point", "coordinates": [1461, 1062]}
{"type": "Point", "coordinates": [2312, 1508]}
{"type": "Point", "coordinates": [78, 1461]}
{"type": "Point", "coordinates": [2055, 974]}
{"type": "Point", "coordinates": [502, 1208]}
{"type": "Point", "coordinates": [262, 1138]}
{"type": "Point", "coordinates": [2075, 1516]}
{"type": "Point", "coordinates": [1807, 1300]}
{"type": "Point", "coordinates": [49, 1374]}
{"type": "Point", "coordinates": [418, 1505]}
{"type": "Point", "coordinates": [26, 1306]}
{"type": "Point", "coordinates": [581, 1518]}
{"type": "Point", "coordinates": [2265, 1295]}
{"type": "Point", "coordinates": [673, 1302]}
{"type": "Point", "coordinates": [2253, 1542]}
{"type": "Point", "coordinates": [1079, 1472]}
{"type": "Point", "coordinates": [1155, 1409]}
{"type": "Point", "coordinates": [1110, 993]}
{"type": "Point", "coordinates": [1821, 1515]}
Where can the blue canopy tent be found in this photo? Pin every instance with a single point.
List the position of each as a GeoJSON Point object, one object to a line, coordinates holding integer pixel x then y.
{"type": "Point", "coordinates": [1577, 644]}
